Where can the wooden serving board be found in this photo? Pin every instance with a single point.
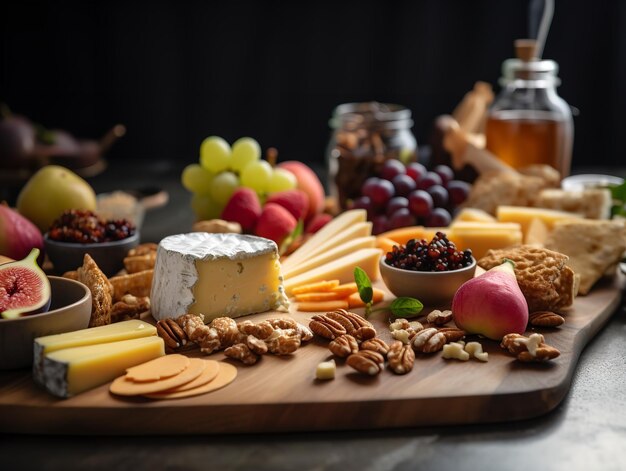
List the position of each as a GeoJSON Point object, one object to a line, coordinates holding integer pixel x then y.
{"type": "Point", "coordinates": [280, 393]}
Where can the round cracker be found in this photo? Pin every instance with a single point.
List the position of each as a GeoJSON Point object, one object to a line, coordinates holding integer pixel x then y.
{"type": "Point", "coordinates": [125, 387]}
{"type": "Point", "coordinates": [226, 375]}
{"type": "Point", "coordinates": [158, 369]}
{"type": "Point", "coordinates": [209, 374]}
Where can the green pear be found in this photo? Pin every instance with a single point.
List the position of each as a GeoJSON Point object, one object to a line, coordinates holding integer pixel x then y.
{"type": "Point", "coordinates": [52, 190]}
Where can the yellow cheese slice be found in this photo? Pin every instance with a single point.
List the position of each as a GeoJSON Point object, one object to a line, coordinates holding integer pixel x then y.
{"type": "Point", "coordinates": [123, 386]}
{"type": "Point", "coordinates": [125, 330]}
{"type": "Point", "coordinates": [331, 254]}
{"type": "Point", "coordinates": [336, 226]}
{"type": "Point", "coordinates": [473, 215]}
{"type": "Point", "coordinates": [341, 269]}
{"type": "Point", "coordinates": [74, 370]}
{"type": "Point", "coordinates": [226, 375]}
{"type": "Point", "coordinates": [523, 216]}
{"type": "Point", "coordinates": [159, 368]}
{"type": "Point", "coordinates": [480, 237]}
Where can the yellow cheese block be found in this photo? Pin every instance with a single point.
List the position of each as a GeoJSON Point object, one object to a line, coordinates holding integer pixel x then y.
{"type": "Point", "coordinates": [341, 269]}
{"type": "Point", "coordinates": [473, 215]}
{"type": "Point", "coordinates": [331, 254]}
{"type": "Point", "coordinates": [321, 238]}
{"type": "Point", "coordinates": [74, 370]}
{"type": "Point", "coordinates": [96, 335]}
{"type": "Point", "coordinates": [524, 215]}
{"type": "Point", "coordinates": [481, 237]}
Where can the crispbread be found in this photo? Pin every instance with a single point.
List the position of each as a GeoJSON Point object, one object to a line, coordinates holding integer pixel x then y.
{"type": "Point", "coordinates": [101, 291]}
{"type": "Point", "coordinates": [592, 246]}
{"type": "Point", "coordinates": [547, 283]}
{"type": "Point", "coordinates": [592, 203]}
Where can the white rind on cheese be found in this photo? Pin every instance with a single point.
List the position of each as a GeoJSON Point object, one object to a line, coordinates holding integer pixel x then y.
{"type": "Point", "coordinates": [124, 330]}
{"type": "Point", "coordinates": [73, 370]}
{"type": "Point", "coordinates": [216, 275]}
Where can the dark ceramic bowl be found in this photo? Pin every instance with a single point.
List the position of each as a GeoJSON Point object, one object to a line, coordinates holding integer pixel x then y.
{"type": "Point", "coordinates": [431, 288]}
{"type": "Point", "coordinates": [67, 256]}
{"type": "Point", "coordinates": [70, 309]}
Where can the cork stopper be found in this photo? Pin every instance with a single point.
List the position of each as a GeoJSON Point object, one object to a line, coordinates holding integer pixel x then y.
{"type": "Point", "coordinates": [526, 49]}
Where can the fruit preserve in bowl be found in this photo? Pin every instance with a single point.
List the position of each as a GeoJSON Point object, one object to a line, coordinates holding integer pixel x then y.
{"type": "Point", "coordinates": [428, 271]}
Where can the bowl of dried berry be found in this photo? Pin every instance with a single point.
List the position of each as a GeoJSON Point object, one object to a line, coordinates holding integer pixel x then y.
{"type": "Point", "coordinates": [428, 271]}
{"type": "Point", "coordinates": [77, 232]}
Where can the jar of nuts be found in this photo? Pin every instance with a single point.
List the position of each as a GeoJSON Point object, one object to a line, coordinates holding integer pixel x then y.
{"type": "Point", "coordinates": [364, 135]}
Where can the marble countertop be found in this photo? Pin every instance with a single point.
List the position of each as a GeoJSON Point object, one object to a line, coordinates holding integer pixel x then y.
{"type": "Point", "coordinates": [586, 431]}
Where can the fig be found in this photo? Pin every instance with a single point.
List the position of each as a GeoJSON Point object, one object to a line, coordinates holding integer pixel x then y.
{"type": "Point", "coordinates": [24, 288]}
{"type": "Point", "coordinates": [491, 304]}
{"type": "Point", "coordinates": [17, 139]}
{"type": "Point", "coordinates": [18, 236]}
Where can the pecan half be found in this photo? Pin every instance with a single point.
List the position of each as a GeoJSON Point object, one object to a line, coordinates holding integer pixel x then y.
{"type": "Point", "coordinates": [438, 317]}
{"type": "Point", "coordinates": [366, 362]}
{"type": "Point", "coordinates": [452, 334]}
{"type": "Point", "coordinates": [401, 357]}
{"type": "Point", "coordinates": [326, 327]}
{"type": "Point", "coordinates": [545, 319]}
{"type": "Point", "coordinates": [171, 333]}
{"type": "Point", "coordinates": [529, 349]}
{"type": "Point", "coordinates": [376, 345]}
{"type": "Point", "coordinates": [343, 346]}
{"type": "Point", "coordinates": [428, 340]}
{"type": "Point", "coordinates": [354, 324]}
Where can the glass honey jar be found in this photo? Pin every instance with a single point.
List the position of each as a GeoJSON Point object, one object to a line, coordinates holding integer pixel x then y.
{"type": "Point", "coordinates": [529, 123]}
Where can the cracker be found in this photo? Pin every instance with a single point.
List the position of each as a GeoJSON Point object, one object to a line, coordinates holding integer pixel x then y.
{"type": "Point", "coordinates": [137, 263]}
{"type": "Point", "coordinates": [101, 291]}
{"type": "Point", "coordinates": [138, 284]}
{"type": "Point", "coordinates": [547, 283]}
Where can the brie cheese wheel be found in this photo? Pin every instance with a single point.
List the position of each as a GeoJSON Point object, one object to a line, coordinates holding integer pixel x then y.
{"type": "Point", "coordinates": [216, 275]}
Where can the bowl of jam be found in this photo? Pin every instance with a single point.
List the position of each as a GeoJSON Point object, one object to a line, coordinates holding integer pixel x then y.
{"type": "Point", "coordinates": [79, 232]}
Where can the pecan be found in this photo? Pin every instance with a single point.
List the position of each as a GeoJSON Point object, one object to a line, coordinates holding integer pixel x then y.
{"type": "Point", "coordinates": [545, 319]}
{"type": "Point", "coordinates": [171, 333]}
{"type": "Point", "coordinates": [376, 345]}
{"type": "Point", "coordinates": [326, 327]}
{"type": "Point", "coordinates": [438, 317]}
{"type": "Point", "coordinates": [366, 362]}
{"type": "Point", "coordinates": [428, 340]}
{"type": "Point", "coordinates": [283, 341]}
{"type": "Point", "coordinates": [527, 349]}
{"type": "Point", "coordinates": [242, 352]}
{"type": "Point", "coordinates": [452, 334]}
{"type": "Point", "coordinates": [343, 346]}
{"type": "Point", "coordinates": [354, 324]}
{"type": "Point", "coordinates": [400, 357]}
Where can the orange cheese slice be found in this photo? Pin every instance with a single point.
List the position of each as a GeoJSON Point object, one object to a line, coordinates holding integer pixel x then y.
{"type": "Point", "coordinates": [226, 375]}
{"type": "Point", "coordinates": [157, 369]}
{"type": "Point", "coordinates": [123, 386]}
{"type": "Point", "coordinates": [208, 375]}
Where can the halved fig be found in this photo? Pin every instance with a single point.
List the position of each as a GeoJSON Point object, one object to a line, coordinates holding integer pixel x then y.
{"type": "Point", "coordinates": [24, 288]}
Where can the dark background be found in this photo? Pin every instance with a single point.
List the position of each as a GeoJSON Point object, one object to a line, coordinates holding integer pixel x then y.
{"type": "Point", "coordinates": [176, 72]}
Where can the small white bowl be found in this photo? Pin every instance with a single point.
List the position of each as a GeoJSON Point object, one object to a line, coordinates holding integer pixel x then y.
{"type": "Point", "coordinates": [430, 287]}
{"type": "Point", "coordinates": [70, 309]}
{"type": "Point", "coordinates": [589, 180]}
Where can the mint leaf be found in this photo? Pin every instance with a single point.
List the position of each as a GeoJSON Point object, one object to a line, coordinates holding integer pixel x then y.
{"type": "Point", "coordinates": [406, 307]}
{"type": "Point", "coordinates": [364, 285]}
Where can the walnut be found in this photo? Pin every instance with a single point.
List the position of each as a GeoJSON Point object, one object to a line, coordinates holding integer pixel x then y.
{"type": "Point", "coordinates": [428, 340]}
{"type": "Point", "coordinates": [283, 341]}
{"type": "Point", "coordinates": [366, 362]}
{"type": "Point", "coordinates": [354, 324]}
{"type": "Point", "coordinates": [258, 346]}
{"type": "Point", "coordinates": [343, 346]}
{"type": "Point", "coordinates": [401, 357]}
{"type": "Point", "coordinates": [262, 330]}
{"type": "Point", "coordinates": [438, 317]}
{"type": "Point", "coordinates": [306, 334]}
{"type": "Point", "coordinates": [403, 330]}
{"type": "Point", "coordinates": [326, 327]}
{"type": "Point", "coordinates": [376, 345]}
{"type": "Point", "coordinates": [129, 307]}
{"type": "Point", "coordinates": [529, 349]}
{"type": "Point", "coordinates": [227, 331]}
{"type": "Point", "coordinates": [242, 352]}
{"type": "Point", "coordinates": [545, 319]}
{"type": "Point", "coordinates": [205, 337]}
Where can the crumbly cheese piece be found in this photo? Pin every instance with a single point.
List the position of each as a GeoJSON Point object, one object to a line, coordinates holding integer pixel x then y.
{"type": "Point", "coordinates": [216, 275]}
{"type": "Point", "coordinates": [74, 370]}
{"type": "Point", "coordinates": [125, 330]}
{"type": "Point", "coordinates": [326, 370]}
{"type": "Point", "coordinates": [593, 203]}
{"type": "Point", "coordinates": [475, 350]}
{"type": "Point", "coordinates": [341, 269]}
{"type": "Point", "coordinates": [454, 350]}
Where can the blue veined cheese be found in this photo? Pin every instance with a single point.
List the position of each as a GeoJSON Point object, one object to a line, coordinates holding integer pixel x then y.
{"type": "Point", "coordinates": [216, 275]}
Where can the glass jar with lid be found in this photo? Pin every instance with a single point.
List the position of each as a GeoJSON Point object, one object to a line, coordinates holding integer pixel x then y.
{"type": "Point", "coordinates": [364, 136]}
{"type": "Point", "coordinates": [529, 123]}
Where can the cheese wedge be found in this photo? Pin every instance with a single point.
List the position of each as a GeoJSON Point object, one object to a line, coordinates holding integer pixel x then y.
{"type": "Point", "coordinates": [331, 254]}
{"type": "Point", "coordinates": [125, 330]}
{"type": "Point", "coordinates": [524, 215]}
{"type": "Point", "coordinates": [74, 370]}
{"type": "Point", "coordinates": [216, 275]}
{"type": "Point", "coordinates": [341, 269]}
{"type": "Point", "coordinates": [321, 237]}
